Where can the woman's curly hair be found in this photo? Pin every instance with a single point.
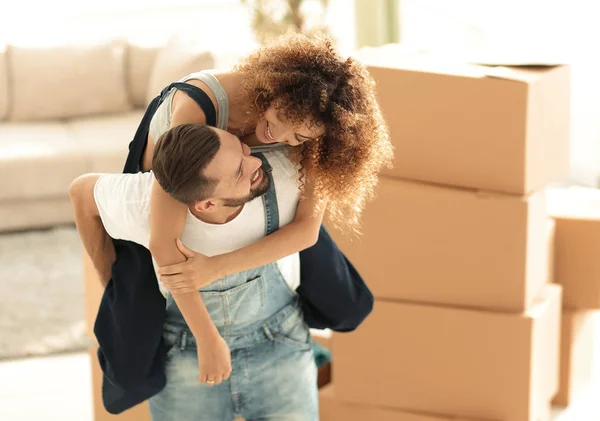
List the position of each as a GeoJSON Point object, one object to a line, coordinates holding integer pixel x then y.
{"type": "Point", "coordinates": [305, 78]}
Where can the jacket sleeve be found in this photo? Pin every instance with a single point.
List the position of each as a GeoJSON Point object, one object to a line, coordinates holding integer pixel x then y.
{"type": "Point", "coordinates": [332, 293]}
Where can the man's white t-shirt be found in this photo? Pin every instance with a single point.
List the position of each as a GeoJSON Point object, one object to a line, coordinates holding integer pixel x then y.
{"type": "Point", "coordinates": [123, 201]}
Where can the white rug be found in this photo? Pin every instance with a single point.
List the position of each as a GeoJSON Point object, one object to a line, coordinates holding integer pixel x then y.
{"type": "Point", "coordinates": [41, 293]}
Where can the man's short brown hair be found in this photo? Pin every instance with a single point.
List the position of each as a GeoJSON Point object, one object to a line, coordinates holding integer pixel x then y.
{"type": "Point", "coordinates": [180, 157]}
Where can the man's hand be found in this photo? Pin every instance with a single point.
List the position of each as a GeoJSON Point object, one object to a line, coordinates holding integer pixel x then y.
{"type": "Point", "coordinates": [196, 272]}
{"type": "Point", "coordinates": [214, 360]}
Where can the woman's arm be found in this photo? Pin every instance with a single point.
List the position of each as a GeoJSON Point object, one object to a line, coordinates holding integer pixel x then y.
{"type": "Point", "coordinates": [300, 234]}
{"type": "Point", "coordinates": [167, 222]}
{"type": "Point", "coordinates": [167, 216]}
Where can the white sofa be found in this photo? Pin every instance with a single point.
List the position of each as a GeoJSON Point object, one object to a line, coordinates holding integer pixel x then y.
{"type": "Point", "coordinates": [71, 109]}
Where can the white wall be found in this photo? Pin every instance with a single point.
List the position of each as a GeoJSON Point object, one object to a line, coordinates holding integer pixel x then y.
{"type": "Point", "coordinates": [150, 21]}
{"type": "Point", "coordinates": [341, 19]}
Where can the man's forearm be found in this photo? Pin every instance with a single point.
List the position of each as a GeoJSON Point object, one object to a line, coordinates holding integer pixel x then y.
{"type": "Point", "coordinates": [97, 243]}
{"type": "Point", "coordinates": [94, 237]}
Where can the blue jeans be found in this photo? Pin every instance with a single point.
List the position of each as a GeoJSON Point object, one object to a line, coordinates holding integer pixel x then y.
{"type": "Point", "coordinates": [274, 376]}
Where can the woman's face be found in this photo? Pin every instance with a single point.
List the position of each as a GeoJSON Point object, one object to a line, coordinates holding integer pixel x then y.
{"type": "Point", "coordinates": [270, 129]}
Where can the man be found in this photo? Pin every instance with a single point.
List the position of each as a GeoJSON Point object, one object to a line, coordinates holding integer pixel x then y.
{"type": "Point", "coordinates": [256, 312]}
{"type": "Point", "coordinates": [130, 322]}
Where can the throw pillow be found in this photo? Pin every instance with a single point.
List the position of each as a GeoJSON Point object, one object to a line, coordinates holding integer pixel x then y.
{"type": "Point", "coordinates": [68, 81]}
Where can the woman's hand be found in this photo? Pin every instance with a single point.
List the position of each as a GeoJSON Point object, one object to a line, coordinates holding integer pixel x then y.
{"type": "Point", "coordinates": [214, 360]}
{"type": "Point", "coordinates": [196, 272]}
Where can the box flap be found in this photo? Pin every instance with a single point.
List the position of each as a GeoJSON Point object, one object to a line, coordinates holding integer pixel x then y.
{"type": "Point", "coordinates": [531, 59]}
{"type": "Point", "coordinates": [524, 65]}
{"type": "Point", "coordinates": [427, 63]}
{"type": "Point", "coordinates": [520, 66]}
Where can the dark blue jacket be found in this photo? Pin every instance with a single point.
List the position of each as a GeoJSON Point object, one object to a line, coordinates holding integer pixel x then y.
{"type": "Point", "coordinates": [130, 319]}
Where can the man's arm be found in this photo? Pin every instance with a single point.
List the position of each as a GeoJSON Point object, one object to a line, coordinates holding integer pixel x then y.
{"type": "Point", "coordinates": [94, 237]}
{"type": "Point", "coordinates": [215, 361]}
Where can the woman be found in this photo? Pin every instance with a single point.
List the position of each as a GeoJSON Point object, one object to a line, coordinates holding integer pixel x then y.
{"type": "Point", "coordinates": [299, 92]}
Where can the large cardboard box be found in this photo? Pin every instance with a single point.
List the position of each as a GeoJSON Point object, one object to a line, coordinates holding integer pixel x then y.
{"type": "Point", "coordinates": [576, 211]}
{"type": "Point", "coordinates": [432, 244]}
{"type": "Point", "coordinates": [488, 127]}
{"type": "Point", "coordinates": [576, 353]}
{"type": "Point", "coordinates": [93, 291]}
{"type": "Point", "coordinates": [137, 413]}
{"type": "Point", "coordinates": [332, 409]}
{"type": "Point", "coordinates": [445, 360]}
{"type": "Point", "coordinates": [550, 249]}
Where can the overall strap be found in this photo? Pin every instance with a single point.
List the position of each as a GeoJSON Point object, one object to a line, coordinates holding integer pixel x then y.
{"type": "Point", "coordinates": [269, 198]}
{"type": "Point", "coordinates": [201, 98]}
{"type": "Point", "coordinates": [140, 140]}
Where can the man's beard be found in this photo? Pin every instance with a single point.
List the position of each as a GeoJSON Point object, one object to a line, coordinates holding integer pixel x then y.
{"type": "Point", "coordinates": [254, 193]}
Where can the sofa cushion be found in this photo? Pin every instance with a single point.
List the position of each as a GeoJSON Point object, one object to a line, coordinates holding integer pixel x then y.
{"type": "Point", "coordinates": [4, 98]}
{"type": "Point", "coordinates": [38, 160]}
{"type": "Point", "coordinates": [105, 140]}
{"type": "Point", "coordinates": [76, 80]}
{"type": "Point", "coordinates": [140, 62]}
{"type": "Point", "coordinates": [36, 213]}
{"type": "Point", "coordinates": [180, 57]}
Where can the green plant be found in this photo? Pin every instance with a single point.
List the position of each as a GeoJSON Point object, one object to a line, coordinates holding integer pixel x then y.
{"type": "Point", "coordinates": [273, 18]}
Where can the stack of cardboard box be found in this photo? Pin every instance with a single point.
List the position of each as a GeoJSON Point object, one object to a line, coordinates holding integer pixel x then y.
{"type": "Point", "coordinates": [576, 211]}
{"type": "Point", "coordinates": [457, 248]}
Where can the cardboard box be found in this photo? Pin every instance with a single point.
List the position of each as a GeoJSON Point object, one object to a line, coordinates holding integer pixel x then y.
{"type": "Point", "coordinates": [550, 249]}
{"type": "Point", "coordinates": [432, 244]}
{"type": "Point", "coordinates": [577, 250]}
{"type": "Point", "coordinates": [474, 364]}
{"type": "Point", "coordinates": [137, 413]}
{"type": "Point", "coordinates": [324, 375]}
{"type": "Point", "coordinates": [487, 127]}
{"type": "Point", "coordinates": [576, 354]}
{"type": "Point", "coordinates": [93, 291]}
{"type": "Point", "coordinates": [332, 409]}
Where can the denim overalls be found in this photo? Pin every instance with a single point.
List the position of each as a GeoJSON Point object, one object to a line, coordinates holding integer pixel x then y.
{"type": "Point", "coordinates": [274, 376]}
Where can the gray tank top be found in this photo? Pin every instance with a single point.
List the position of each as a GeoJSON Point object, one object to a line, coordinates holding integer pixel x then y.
{"type": "Point", "coordinates": [161, 121]}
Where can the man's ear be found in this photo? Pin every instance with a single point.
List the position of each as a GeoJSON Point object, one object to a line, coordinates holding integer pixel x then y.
{"type": "Point", "coordinates": [205, 205]}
